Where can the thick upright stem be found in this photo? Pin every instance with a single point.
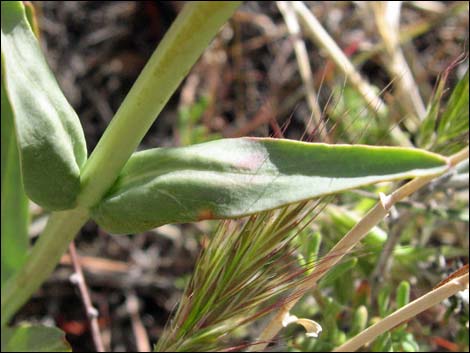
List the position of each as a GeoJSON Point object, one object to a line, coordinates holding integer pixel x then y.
{"type": "Point", "coordinates": [184, 42]}
{"type": "Point", "coordinates": [60, 231]}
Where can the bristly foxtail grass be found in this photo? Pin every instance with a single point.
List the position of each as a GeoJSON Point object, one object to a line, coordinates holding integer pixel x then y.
{"type": "Point", "coordinates": [245, 272]}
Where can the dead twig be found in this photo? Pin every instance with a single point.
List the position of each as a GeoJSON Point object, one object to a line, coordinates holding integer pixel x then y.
{"type": "Point", "coordinates": [141, 337]}
{"type": "Point", "coordinates": [92, 313]}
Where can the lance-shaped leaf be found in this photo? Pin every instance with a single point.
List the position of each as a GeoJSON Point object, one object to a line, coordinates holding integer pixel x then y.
{"type": "Point", "coordinates": [14, 210]}
{"type": "Point", "coordinates": [235, 177]}
{"type": "Point", "coordinates": [50, 139]}
{"type": "Point", "coordinates": [15, 213]}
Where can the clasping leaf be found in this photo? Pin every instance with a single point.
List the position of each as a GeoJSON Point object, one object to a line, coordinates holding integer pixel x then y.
{"type": "Point", "coordinates": [231, 178]}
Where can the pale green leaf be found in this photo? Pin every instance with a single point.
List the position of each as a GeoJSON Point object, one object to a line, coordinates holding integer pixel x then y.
{"type": "Point", "coordinates": [33, 339]}
{"type": "Point", "coordinates": [236, 177]}
{"type": "Point", "coordinates": [14, 210]}
{"type": "Point", "coordinates": [50, 139]}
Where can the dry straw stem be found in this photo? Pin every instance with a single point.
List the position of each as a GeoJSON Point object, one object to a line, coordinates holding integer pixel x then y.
{"type": "Point", "coordinates": [405, 313]}
{"type": "Point", "coordinates": [414, 30]}
{"type": "Point", "coordinates": [387, 18]}
{"type": "Point", "coordinates": [140, 334]}
{"type": "Point", "coordinates": [354, 236]}
{"type": "Point", "coordinates": [79, 279]}
{"type": "Point", "coordinates": [304, 67]}
{"type": "Point", "coordinates": [320, 36]}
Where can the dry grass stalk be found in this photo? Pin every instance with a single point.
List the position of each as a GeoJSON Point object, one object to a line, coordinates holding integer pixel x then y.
{"type": "Point", "coordinates": [405, 313]}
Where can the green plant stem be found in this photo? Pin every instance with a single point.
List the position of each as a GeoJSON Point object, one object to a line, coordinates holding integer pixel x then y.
{"type": "Point", "coordinates": [184, 42]}
{"type": "Point", "coordinates": [59, 232]}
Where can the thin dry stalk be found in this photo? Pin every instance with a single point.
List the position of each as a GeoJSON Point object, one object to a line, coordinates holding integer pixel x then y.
{"type": "Point", "coordinates": [320, 37]}
{"type": "Point", "coordinates": [305, 70]}
{"type": "Point", "coordinates": [405, 313]}
{"type": "Point", "coordinates": [414, 30]}
{"type": "Point", "coordinates": [353, 237]}
{"type": "Point", "coordinates": [92, 314]}
{"type": "Point", "coordinates": [140, 334]}
{"type": "Point", "coordinates": [387, 18]}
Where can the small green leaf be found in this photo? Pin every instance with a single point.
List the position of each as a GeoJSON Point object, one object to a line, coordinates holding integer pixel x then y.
{"type": "Point", "coordinates": [309, 246]}
{"type": "Point", "coordinates": [359, 322]}
{"type": "Point", "coordinates": [337, 271]}
{"type": "Point", "coordinates": [236, 177]}
{"type": "Point", "coordinates": [383, 300]}
{"type": "Point", "coordinates": [330, 325]}
{"type": "Point", "coordinates": [403, 294]}
{"type": "Point", "coordinates": [50, 139]}
{"type": "Point", "coordinates": [339, 338]}
{"type": "Point", "coordinates": [426, 136]}
{"type": "Point", "coordinates": [344, 220]}
{"type": "Point", "coordinates": [408, 347]}
{"type": "Point", "coordinates": [383, 343]}
{"type": "Point", "coordinates": [313, 247]}
{"type": "Point", "coordinates": [34, 339]}
{"type": "Point", "coordinates": [409, 343]}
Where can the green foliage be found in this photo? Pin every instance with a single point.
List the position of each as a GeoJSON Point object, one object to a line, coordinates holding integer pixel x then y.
{"type": "Point", "coordinates": [426, 134]}
{"type": "Point", "coordinates": [397, 339]}
{"type": "Point", "coordinates": [36, 338]}
{"type": "Point", "coordinates": [50, 139]}
{"type": "Point", "coordinates": [453, 125]}
{"type": "Point", "coordinates": [383, 300]}
{"type": "Point", "coordinates": [309, 246]}
{"type": "Point", "coordinates": [339, 270]}
{"type": "Point", "coordinates": [237, 177]}
{"type": "Point", "coordinates": [447, 132]}
{"type": "Point", "coordinates": [359, 322]}
{"type": "Point", "coordinates": [190, 130]}
{"type": "Point", "coordinates": [383, 343]}
{"type": "Point", "coordinates": [342, 220]}
{"type": "Point", "coordinates": [403, 294]}
{"type": "Point", "coordinates": [354, 123]}
{"type": "Point", "coordinates": [14, 211]}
